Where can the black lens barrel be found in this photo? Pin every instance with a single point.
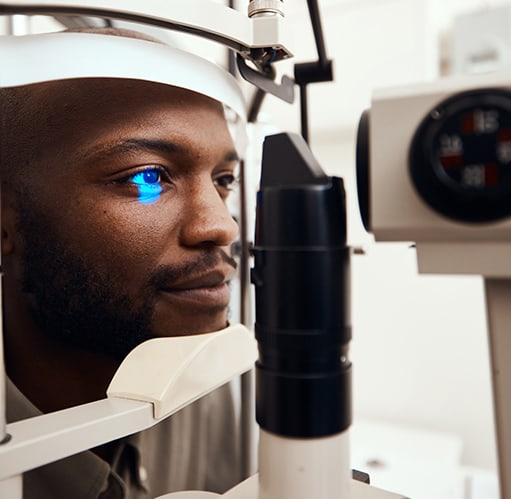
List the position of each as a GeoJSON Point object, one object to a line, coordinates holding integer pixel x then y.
{"type": "Point", "coordinates": [302, 280]}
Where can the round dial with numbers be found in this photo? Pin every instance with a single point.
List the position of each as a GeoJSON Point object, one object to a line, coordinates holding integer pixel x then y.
{"type": "Point", "coordinates": [460, 157]}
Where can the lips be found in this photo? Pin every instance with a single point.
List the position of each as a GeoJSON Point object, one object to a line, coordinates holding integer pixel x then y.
{"type": "Point", "coordinates": [208, 290]}
{"type": "Point", "coordinates": [209, 280]}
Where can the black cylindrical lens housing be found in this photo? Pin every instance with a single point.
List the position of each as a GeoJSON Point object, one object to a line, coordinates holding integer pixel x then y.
{"type": "Point", "coordinates": [302, 283]}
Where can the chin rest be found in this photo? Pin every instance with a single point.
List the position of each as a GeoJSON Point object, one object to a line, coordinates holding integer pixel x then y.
{"type": "Point", "coordinates": [173, 372]}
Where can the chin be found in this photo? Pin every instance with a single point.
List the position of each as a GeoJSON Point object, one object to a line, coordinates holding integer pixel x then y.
{"type": "Point", "coordinates": [193, 326]}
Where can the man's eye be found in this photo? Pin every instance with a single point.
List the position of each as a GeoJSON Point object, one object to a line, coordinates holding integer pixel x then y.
{"type": "Point", "coordinates": [227, 181]}
{"type": "Point", "coordinates": [149, 184]}
{"type": "Point", "coordinates": [148, 177]}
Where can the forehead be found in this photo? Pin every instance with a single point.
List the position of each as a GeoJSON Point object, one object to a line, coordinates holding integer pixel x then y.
{"type": "Point", "coordinates": [72, 101]}
{"type": "Point", "coordinates": [81, 113]}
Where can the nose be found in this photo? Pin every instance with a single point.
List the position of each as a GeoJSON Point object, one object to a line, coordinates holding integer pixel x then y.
{"type": "Point", "coordinates": [206, 219]}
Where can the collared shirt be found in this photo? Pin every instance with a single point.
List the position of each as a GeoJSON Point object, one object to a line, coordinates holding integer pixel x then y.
{"type": "Point", "coordinates": [195, 449]}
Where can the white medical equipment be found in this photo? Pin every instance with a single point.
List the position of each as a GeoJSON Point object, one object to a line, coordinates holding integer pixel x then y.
{"type": "Point", "coordinates": [289, 466]}
{"type": "Point", "coordinates": [434, 167]}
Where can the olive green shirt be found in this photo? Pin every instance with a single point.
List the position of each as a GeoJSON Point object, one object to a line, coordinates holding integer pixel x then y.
{"type": "Point", "coordinates": [195, 449]}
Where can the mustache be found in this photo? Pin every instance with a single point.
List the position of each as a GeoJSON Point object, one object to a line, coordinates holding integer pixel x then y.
{"type": "Point", "coordinates": [208, 260]}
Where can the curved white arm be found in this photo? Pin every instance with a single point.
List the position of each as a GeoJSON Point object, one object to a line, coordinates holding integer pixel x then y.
{"type": "Point", "coordinates": [56, 56]}
{"type": "Point", "coordinates": [49, 437]}
{"type": "Point", "coordinates": [173, 372]}
{"type": "Point", "coordinates": [204, 18]}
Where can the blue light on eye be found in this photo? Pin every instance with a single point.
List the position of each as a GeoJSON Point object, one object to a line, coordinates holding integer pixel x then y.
{"type": "Point", "coordinates": [148, 183]}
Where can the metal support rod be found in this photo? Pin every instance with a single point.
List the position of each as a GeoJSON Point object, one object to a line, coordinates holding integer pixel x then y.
{"type": "Point", "coordinates": [304, 113]}
{"type": "Point", "coordinates": [255, 105]}
{"type": "Point", "coordinates": [312, 72]}
{"type": "Point", "coordinates": [247, 419]}
{"type": "Point", "coordinates": [247, 404]}
{"type": "Point", "coordinates": [231, 55]}
{"type": "Point", "coordinates": [245, 307]}
{"type": "Point", "coordinates": [4, 436]}
{"type": "Point", "coordinates": [498, 300]}
{"type": "Point", "coordinates": [12, 486]}
{"type": "Point", "coordinates": [318, 31]}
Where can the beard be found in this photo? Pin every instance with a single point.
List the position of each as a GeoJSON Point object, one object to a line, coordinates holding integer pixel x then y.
{"type": "Point", "coordinates": [74, 304]}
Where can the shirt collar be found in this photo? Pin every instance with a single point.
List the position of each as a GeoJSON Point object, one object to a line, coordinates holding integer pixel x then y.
{"type": "Point", "coordinates": [81, 476]}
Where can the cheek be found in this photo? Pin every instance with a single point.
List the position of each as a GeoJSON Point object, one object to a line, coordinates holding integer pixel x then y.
{"type": "Point", "coordinates": [124, 236]}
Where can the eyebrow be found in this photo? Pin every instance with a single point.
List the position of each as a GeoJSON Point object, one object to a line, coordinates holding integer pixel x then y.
{"type": "Point", "coordinates": [127, 146]}
{"type": "Point", "coordinates": [132, 145]}
{"type": "Point", "coordinates": [231, 156]}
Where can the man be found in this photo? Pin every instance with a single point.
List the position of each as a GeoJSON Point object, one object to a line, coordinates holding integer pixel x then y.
{"type": "Point", "coordinates": [115, 230]}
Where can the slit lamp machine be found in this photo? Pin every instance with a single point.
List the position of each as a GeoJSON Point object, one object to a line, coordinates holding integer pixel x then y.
{"type": "Point", "coordinates": [440, 176]}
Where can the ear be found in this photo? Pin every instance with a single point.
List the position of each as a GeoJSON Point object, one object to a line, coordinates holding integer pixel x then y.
{"type": "Point", "coordinates": [8, 222]}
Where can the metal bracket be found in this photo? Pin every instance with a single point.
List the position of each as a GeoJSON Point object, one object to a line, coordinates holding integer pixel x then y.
{"type": "Point", "coordinates": [284, 90]}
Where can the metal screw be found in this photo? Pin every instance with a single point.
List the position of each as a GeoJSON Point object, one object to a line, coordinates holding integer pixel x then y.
{"type": "Point", "coordinates": [258, 8]}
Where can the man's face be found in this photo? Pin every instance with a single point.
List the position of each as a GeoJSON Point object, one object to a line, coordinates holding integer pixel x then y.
{"type": "Point", "coordinates": [123, 228]}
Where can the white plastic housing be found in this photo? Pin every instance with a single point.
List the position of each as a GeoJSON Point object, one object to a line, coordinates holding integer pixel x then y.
{"type": "Point", "coordinates": [58, 56]}
{"type": "Point", "coordinates": [398, 213]}
{"type": "Point", "coordinates": [173, 372]}
{"type": "Point", "coordinates": [301, 468]}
